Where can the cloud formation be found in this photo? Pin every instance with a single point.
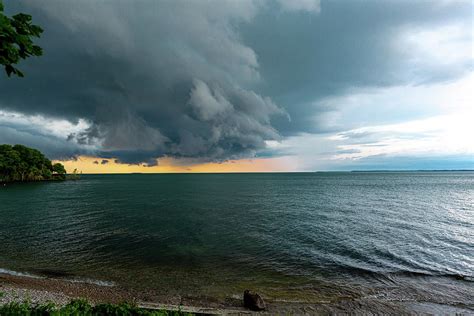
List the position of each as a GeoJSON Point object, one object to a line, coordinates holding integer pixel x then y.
{"type": "Point", "coordinates": [154, 79]}
{"type": "Point", "coordinates": [215, 80]}
{"type": "Point", "coordinates": [433, 134]}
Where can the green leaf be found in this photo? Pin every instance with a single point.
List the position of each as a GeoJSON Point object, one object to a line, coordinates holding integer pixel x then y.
{"type": "Point", "coordinates": [16, 40]}
{"type": "Point", "coordinates": [19, 73]}
{"type": "Point", "coordinates": [9, 69]}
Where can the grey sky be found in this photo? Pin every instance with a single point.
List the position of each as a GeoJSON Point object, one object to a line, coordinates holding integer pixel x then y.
{"type": "Point", "coordinates": [218, 80]}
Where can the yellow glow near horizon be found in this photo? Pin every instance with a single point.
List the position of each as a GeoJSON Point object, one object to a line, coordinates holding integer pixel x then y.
{"type": "Point", "coordinates": [87, 165]}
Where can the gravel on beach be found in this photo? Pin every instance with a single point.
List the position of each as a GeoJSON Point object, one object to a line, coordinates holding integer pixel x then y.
{"type": "Point", "coordinates": [43, 290]}
{"type": "Point", "coordinates": [56, 290]}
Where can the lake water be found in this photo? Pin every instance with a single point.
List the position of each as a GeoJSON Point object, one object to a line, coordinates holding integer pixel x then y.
{"type": "Point", "coordinates": [308, 237]}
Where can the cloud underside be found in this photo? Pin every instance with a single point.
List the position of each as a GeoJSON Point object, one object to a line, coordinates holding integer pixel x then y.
{"type": "Point", "coordinates": [215, 80]}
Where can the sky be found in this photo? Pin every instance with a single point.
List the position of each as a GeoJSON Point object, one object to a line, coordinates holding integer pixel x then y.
{"type": "Point", "coordinates": [246, 86]}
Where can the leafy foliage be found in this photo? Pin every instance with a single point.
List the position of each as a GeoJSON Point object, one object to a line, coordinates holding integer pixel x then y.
{"type": "Point", "coordinates": [59, 169]}
{"type": "Point", "coordinates": [20, 163]}
{"type": "Point", "coordinates": [82, 307]}
{"type": "Point", "coordinates": [15, 40]}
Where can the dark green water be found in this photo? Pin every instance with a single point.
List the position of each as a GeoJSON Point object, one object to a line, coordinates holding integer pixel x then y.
{"type": "Point", "coordinates": [304, 237]}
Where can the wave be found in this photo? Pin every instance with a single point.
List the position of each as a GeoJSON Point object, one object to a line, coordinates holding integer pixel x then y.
{"type": "Point", "coordinates": [406, 273]}
{"type": "Point", "coordinates": [20, 274]}
{"type": "Point", "coordinates": [427, 274]}
{"type": "Point", "coordinates": [57, 275]}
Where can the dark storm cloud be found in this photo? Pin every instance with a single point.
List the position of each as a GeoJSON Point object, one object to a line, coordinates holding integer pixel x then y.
{"type": "Point", "coordinates": [349, 45]}
{"type": "Point", "coordinates": [154, 79]}
{"type": "Point", "coordinates": [207, 80]}
{"type": "Point", "coordinates": [102, 162]}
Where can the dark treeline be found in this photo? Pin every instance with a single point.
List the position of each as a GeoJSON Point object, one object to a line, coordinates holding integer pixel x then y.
{"type": "Point", "coordinates": [20, 163]}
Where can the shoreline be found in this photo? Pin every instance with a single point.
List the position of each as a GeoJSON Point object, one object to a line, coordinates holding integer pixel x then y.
{"type": "Point", "coordinates": [39, 290]}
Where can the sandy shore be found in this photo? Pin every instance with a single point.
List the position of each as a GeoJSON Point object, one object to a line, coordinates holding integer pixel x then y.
{"type": "Point", "coordinates": [41, 290]}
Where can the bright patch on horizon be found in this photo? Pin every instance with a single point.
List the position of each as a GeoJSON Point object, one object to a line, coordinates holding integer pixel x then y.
{"type": "Point", "coordinates": [87, 164]}
{"type": "Point", "coordinates": [441, 135]}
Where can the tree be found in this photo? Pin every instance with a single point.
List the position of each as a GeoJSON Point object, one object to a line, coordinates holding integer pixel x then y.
{"type": "Point", "coordinates": [16, 42]}
{"type": "Point", "coordinates": [9, 163]}
{"type": "Point", "coordinates": [59, 170]}
{"type": "Point", "coordinates": [20, 163]}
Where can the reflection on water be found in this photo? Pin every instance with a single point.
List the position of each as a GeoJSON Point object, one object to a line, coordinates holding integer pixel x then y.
{"type": "Point", "coordinates": [308, 236]}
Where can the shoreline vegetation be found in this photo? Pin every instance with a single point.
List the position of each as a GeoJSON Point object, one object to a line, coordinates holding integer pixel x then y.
{"type": "Point", "coordinates": [83, 307]}
{"type": "Point", "coordinates": [19, 163]}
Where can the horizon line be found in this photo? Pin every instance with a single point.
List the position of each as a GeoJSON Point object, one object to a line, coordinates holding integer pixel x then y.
{"type": "Point", "coordinates": [316, 171]}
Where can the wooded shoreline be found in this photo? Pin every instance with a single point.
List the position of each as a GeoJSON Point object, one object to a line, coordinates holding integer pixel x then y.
{"type": "Point", "coordinates": [19, 163]}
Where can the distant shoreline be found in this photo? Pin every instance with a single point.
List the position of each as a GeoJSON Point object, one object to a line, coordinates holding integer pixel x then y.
{"type": "Point", "coordinates": [421, 170]}
{"type": "Point", "coordinates": [281, 172]}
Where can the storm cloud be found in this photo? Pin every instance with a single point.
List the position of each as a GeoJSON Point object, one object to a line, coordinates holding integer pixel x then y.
{"type": "Point", "coordinates": [208, 80]}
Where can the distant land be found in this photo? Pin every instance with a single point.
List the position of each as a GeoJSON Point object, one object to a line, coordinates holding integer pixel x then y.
{"type": "Point", "coordinates": [418, 170]}
{"type": "Point", "coordinates": [291, 172]}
